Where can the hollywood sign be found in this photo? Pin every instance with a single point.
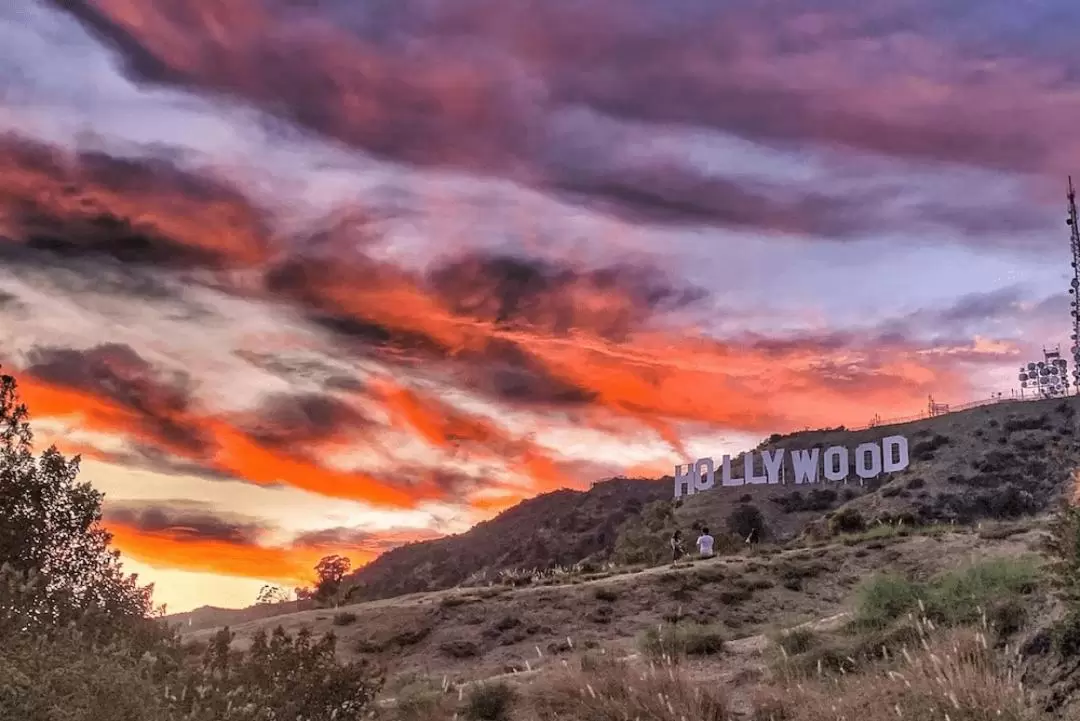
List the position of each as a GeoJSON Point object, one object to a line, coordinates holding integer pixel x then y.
{"type": "Point", "coordinates": [871, 460]}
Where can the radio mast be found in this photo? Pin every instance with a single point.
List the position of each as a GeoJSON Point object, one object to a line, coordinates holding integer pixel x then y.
{"type": "Point", "coordinates": [1074, 241]}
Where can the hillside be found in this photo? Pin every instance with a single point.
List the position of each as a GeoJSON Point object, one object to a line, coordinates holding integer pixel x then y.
{"type": "Point", "coordinates": [465, 635]}
{"type": "Point", "coordinates": [968, 517]}
{"type": "Point", "coordinates": [559, 528]}
{"type": "Point", "coordinates": [1003, 461]}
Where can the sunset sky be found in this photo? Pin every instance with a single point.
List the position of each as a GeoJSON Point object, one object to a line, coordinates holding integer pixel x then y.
{"type": "Point", "coordinates": [330, 276]}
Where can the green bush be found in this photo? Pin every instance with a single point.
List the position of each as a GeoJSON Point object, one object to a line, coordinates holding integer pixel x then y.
{"type": "Point", "coordinates": [952, 598]}
{"type": "Point", "coordinates": [884, 598]}
{"type": "Point", "coordinates": [81, 642]}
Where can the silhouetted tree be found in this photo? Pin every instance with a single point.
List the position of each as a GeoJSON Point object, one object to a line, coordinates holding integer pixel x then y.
{"type": "Point", "coordinates": [330, 571]}
{"type": "Point", "coordinates": [51, 533]}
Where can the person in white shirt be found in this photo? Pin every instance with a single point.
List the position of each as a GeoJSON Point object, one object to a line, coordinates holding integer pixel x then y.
{"type": "Point", "coordinates": [705, 544]}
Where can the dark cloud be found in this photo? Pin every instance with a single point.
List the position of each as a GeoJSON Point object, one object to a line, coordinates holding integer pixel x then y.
{"type": "Point", "coordinates": [506, 371]}
{"type": "Point", "coordinates": [361, 540]}
{"type": "Point", "coordinates": [91, 206]}
{"type": "Point", "coordinates": [183, 519]}
{"type": "Point", "coordinates": [513, 291]}
{"type": "Point", "coordinates": [486, 85]}
{"type": "Point", "coordinates": [291, 421]}
{"type": "Point", "coordinates": [162, 402]}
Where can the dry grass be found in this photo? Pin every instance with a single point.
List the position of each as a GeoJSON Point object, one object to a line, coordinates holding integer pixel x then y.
{"type": "Point", "coordinates": [954, 675]}
{"type": "Point", "coordinates": [608, 690]}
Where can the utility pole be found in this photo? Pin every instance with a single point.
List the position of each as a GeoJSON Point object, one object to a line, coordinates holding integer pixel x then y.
{"type": "Point", "coordinates": [1074, 242]}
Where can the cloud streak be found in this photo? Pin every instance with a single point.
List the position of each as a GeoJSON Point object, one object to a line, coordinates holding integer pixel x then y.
{"type": "Point", "coordinates": [421, 260]}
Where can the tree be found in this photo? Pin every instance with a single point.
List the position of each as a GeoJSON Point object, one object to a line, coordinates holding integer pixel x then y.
{"type": "Point", "coordinates": [52, 530]}
{"type": "Point", "coordinates": [748, 523]}
{"type": "Point", "coordinates": [270, 595]}
{"type": "Point", "coordinates": [330, 572]}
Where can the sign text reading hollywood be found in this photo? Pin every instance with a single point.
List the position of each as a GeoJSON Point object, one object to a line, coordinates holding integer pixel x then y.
{"type": "Point", "coordinates": [835, 464]}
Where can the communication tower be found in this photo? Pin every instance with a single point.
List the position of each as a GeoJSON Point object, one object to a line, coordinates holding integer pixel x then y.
{"type": "Point", "coordinates": [1048, 378]}
{"type": "Point", "coordinates": [1074, 242]}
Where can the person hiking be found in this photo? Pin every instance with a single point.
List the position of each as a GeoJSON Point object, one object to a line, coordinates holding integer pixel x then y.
{"type": "Point", "coordinates": [676, 546]}
{"type": "Point", "coordinates": [705, 544]}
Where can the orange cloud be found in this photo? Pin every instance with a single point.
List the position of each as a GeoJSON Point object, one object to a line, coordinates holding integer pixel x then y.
{"type": "Point", "coordinates": [291, 564]}
{"type": "Point", "coordinates": [228, 449]}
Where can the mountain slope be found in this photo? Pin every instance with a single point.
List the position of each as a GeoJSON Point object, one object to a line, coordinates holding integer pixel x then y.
{"type": "Point", "coordinates": [558, 528]}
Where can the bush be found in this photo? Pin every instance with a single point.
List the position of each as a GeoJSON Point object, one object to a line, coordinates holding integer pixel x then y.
{"type": "Point", "coordinates": [460, 648]}
{"type": "Point", "coordinates": [953, 676]}
{"type": "Point", "coordinates": [924, 450]}
{"type": "Point", "coordinates": [682, 639]}
{"type": "Point", "coordinates": [490, 702]}
{"type": "Point", "coordinates": [885, 598]}
{"type": "Point", "coordinates": [797, 641]}
{"type": "Point", "coordinates": [846, 520]}
{"type": "Point", "coordinates": [344, 618]}
{"type": "Point", "coordinates": [952, 598]}
{"type": "Point", "coordinates": [607, 595]}
{"type": "Point", "coordinates": [747, 522]}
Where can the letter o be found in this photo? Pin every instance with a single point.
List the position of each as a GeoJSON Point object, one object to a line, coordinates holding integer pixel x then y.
{"type": "Point", "coordinates": [840, 453]}
{"type": "Point", "coordinates": [704, 467]}
{"type": "Point", "coordinates": [874, 469]}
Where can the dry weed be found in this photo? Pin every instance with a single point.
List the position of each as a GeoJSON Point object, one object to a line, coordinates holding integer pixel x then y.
{"type": "Point", "coordinates": [954, 676]}
{"type": "Point", "coordinates": [615, 691]}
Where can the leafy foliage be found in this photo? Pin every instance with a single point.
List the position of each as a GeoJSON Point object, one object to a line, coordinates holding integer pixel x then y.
{"type": "Point", "coordinates": [79, 640]}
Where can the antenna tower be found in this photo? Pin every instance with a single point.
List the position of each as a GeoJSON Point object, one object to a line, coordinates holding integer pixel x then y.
{"type": "Point", "coordinates": [1074, 242]}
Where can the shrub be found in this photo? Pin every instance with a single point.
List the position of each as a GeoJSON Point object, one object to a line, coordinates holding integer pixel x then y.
{"type": "Point", "coordinates": [345, 618]}
{"type": "Point", "coordinates": [885, 598]}
{"type": "Point", "coordinates": [924, 450]}
{"type": "Point", "coordinates": [682, 639]}
{"type": "Point", "coordinates": [796, 641]}
{"type": "Point", "coordinates": [846, 520]}
{"type": "Point", "coordinates": [460, 648]}
{"type": "Point", "coordinates": [607, 595]}
{"type": "Point", "coordinates": [953, 676]}
{"type": "Point", "coordinates": [490, 702]}
{"type": "Point", "coordinates": [747, 522]}
{"type": "Point", "coordinates": [952, 598]}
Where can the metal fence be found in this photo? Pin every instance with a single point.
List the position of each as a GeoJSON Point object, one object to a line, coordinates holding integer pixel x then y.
{"type": "Point", "coordinates": [875, 422]}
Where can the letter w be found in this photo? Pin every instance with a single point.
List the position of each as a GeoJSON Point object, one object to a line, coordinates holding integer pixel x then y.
{"type": "Point", "coordinates": [806, 465]}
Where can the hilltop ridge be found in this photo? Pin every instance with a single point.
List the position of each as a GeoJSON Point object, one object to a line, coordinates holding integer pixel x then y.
{"type": "Point", "coordinates": [1001, 461]}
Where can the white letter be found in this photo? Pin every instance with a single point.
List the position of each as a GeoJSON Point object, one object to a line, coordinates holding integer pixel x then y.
{"type": "Point", "coordinates": [748, 471]}
{"type": "Point", "coordinates": [684, 481]}
{"type": "Point", "coordinates": [725, 474]}
{"type": "Point", "coordinates": [773, 462]}
{"type": "Point", "coordinates": [839, 453]}
{"type": "Point", "coordinates": [887, 446]}
{"type": "Point", "coordinates": [874, 469]}
{"type": "Point", "coordinates": [704, 475]}
{"type": "Point", "coordinates": [806, 465]}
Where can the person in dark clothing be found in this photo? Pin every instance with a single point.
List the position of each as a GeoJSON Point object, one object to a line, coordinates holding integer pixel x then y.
{"type": "Point", "coordinates": [676, 546]}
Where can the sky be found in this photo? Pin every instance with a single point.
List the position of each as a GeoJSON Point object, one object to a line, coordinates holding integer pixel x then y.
{"type": "Point", "coordinates": [299, 278]}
